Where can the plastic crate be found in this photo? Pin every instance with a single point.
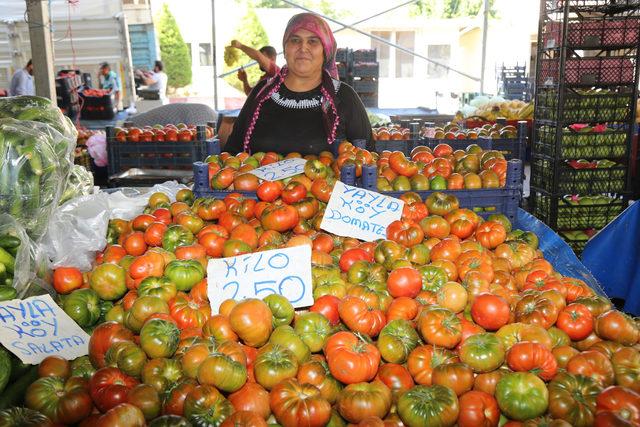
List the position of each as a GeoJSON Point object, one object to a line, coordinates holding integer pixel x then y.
{"type": "Point", "coordinates": [98, 107]}
{"type": "Point", "coordinates": [576, 245]}
{"type": "Point", "coordinates": [588, 71]}
{"type": "Point", "coordinates": [576, 181]}
{"type": "Point", "coordinates": [343, 71]}
{"type": "Point", "coordinates": [585, 106]}
{"type": "Point", "coordinates": [484, 201]}
{"type": "Point", "coordinates": [158, 155]}
{"type": "Point", "coordinates": [365, 86]}
{"type": "Point", "coordinates": [607, 7]}
{"type": "Point", "coordinates": [366, 69]}
{"type": "Point", "coordinates": [581, 145]}
{"type": "Point", "coordinates": [594, 33]}
{"type": "Point", "coordinates": [404, 145]}
{"type": "Point", "coordinates": [561, 214]}
{"type": "Point", "coordinates": [365, 55]}
{"type": "Point", "coordinates": [343, 55]}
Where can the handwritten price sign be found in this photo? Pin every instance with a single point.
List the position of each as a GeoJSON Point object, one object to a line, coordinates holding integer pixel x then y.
{"type": "Point", "coordinates": [359, 213]}
{"type": "Point", "coordinates": [37, 327]}
{"type": "Point", "coordinates": [286, 272]}
{"type": "Point", "coordinates": [280, 170]}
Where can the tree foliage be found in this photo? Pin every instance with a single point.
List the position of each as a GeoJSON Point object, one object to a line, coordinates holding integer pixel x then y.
{"type": "Point", "coordinates": [250, 32]}
{"type": "Point", "coordinates": [173, 50]}
{"type": "Point", "coordinates": [452, 8]}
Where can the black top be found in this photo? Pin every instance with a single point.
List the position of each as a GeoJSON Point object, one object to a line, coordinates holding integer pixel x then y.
{"type": "Point", "coordinates": [292, 122]}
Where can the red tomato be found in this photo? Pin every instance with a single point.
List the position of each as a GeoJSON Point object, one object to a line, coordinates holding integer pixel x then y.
{"type": "Point", "coordinates": [490, 311]}
{"type": "Point", "coordinates": [404, 282]}
{"type": "Point", "coordinates": [134, 244]}
{"type": "Point", "coordinates": [576, 320]}
{"type": "Point", "coordinates": [66, 279]}
{"type": "Point", "coordinates": [269, 191]}
{"type": "Point", "coordinates": [350, 256]}
{"type": "Point", "coordinates": [327, 305]}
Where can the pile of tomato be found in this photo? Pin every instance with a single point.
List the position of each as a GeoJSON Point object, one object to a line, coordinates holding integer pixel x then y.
{"type": "Point", "coordinates": [159, 133]}
{"type": "Point", "coordinates": [450, 320]}
{"type": "Point", "coordinates": [425, 169]}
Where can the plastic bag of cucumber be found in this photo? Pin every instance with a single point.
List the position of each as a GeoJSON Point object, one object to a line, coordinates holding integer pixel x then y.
{"type": "Point", "coordinates": [36, 146]}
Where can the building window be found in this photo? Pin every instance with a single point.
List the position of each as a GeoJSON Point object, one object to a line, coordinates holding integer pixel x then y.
{"type": "Point", "coordinates": [383, 51]}
{"type": "Point", "coordinates": [205, 55]}
{"type": "Point", "coordinates": [442, 54]}
{"type": "Point", "coordinates": [404, 61]}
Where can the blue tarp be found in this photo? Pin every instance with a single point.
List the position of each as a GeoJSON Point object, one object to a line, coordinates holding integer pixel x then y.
{"type": "Point", "coordinates": [556, 250]}
{"type": "Point", "coordinates": [613, 255]}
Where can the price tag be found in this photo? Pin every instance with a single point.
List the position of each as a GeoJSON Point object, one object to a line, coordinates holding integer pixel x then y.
{"type": "Point", "coordinates": [360, 213]}
{"type": "Point", "coordinates": [286, 272]}
{"type": "Point", "coordinates": [280, 170]}
{"type": "Point", "coordinates": [37, 327]}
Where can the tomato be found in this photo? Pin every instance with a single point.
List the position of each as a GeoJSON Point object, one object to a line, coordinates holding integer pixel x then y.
{"type": "Point", "coordinates": [441, 203]}
{"type": "Point", "coordinates": [244, 419]}
{"type": "Point", "coordinates": [447, 249]}
{"type": "Point", "coordinates": [433, 278]}
{"type": "Point", "coordinates": [397, 340]}
{"type": "Point", "coordinates": [108, 281]}
{"type": "Point", "coordinates": [622, 401]}
{"type": "Point", "coordinates": [404, 282]}
{"type": "Point", "coordinates": [478, 408]}
{"type": "Point", "coordinates": [66, 279]}
{"type": "Point", "coordinates": [103, 337]}
{"type": "Point", "coordinates": [154, 233]}
{"type": "Point", "coordinates": [356, 315]}
{"type": "Point", "coordinates": [609, 418]}
{"type": "Point", "coordinates": [535, 309]}
{"type": "Point", "coordinates": [83, 306]}
{"type": "Point", "coordinates": [184, 273]}
{"type": "Point", "coordinates": [189, 313]}
{"type": "Point", "coordinates": [285, 336]}
{"type": "Point", "coordinates": [350, 359]}
{"type": "Point", "coordinates": [576, 320]}
{"type": "Point", "coordinates": [146, 399]}
{"type": "Point", "coordinates": [126, 356]}
{"type": "Point", "coordinates": [490, 311]}
{"type": "Point", "coordinates": [295, 404]}
{"type": "Point", "coordinates": [592, 364]}
{"type": "Point", "coordinates": [251, 319]}
{"type": "Point", "coordinates": [530, 356]}
{"type": "Point", "coordinates": [293, 192]}
{"type": "Point", "coordinates": [359, 401]}
{"type": "Point", "coordinates": [407, 233]}
{"type": "Point", "coordinates": [205, 406]}
{"type": "Point", "coordinates": [134, 244]}
{"type": "Point", "coordinates": [402, 308]}
{"type": "Point", "coordinates": [490, 234]}
{"type": "Point", "coordinates": [401, 165]}
{"type": "Point", "coordinates": [626, 364]}
{"type": "Point", "coordinates": [396, 377]}
{"type": "Point", "coordinates": [18, 416]}
{"type": "Point", "coordinates": [327, 305]}
{"type": "Point", "coordinates": [522, 396]}
{"type": "Point", "coordinates": [251, 397]}
{"type": "Point", "coordinates": [616, 326]}
{"type": "Point", "coordinates": [63, 401]}
{"type": "Point", "coordinates": [439, 326]}
{"type": "Point", "coordinates": [316, 372]}
{"type": "Point", "coordinates": [455, 376]}
{"type": "Point", "coordinates": [423, 405]}
{"type": "Point", "coordinates": [109, 388]}
{"type": "Point", "coordinates": [350, 256]}
{"type": "Point", "coordinates": [162, 374]}
{"type": "Point", "coordinates": [160, 287]}
{"type": "Point", "coordinates": [159, 338]}
{"type": "Point", "coordinates": [280, 218]}
{"type": "Point", "coordinates": [150, 264]}
{"type": "Point", "coordinates": [313, 329]}
{"type": "Point", "coordinates": [221, 371]}
{"type": "Point", "coordinates": [483, 352]}
{"type": "Point", "coordinates": [122, 415]}
{"type": "Point", "coordinates": [274, 364]}
{"type": "Point", "coordinates": [176, 235]}
{"type": "Point", "coordinates": [572, 398]}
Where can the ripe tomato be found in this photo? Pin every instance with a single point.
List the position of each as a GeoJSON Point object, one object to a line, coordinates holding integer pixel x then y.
{"type": "Point", "coordinates": [490, 311]}
{"type": "Point", "coordinates": [490, 234]}
{"type": "Point", "coordinates": [66, 279]}
{"type": "Point", "coordinates": [404, 282]}
{"type": "Point", "coordinates": [154, 233]}
{"type": "Point", "coordinates": [350, 359]}
{"type": "Point", "coordinates": [407, 233]}
{"type": "Point", "coordinates": [293, 192]}
{"type": "Point", "coordinates": [530, 356]}
{"type": "Point", "coordinates": [134, 244]}
{"type": "Point", "coordinates": [327, 305]}
{"type": "Point", "coordinates": [477, 409]}
{"type": "Point", "coordinates": [280, 218]}
{"type": "Point", "coordinates": [352, 255]}
{"type": "Point", "coordinates": [141, 222]}
{"type": "Point", "coordinates": [576, 320]}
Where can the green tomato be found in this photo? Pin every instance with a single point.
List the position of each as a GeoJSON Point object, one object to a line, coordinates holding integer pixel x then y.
{"type": "Point", "coordinates": [83, 306]}
{"type": "Point", "coordinates": [433, 278]}
{"type": "Point", "coordinates": [313, 329]}
{"type": "Point", "coordinates": [432, 406]}
{"type": "Point", "coordinates": [176, 235]}
{"type": "Point", "coordinates": [184, 273]}
{"type": "Point", "coordinates": [204, 406]}
{"type": "Point", "coordinates": [82, 367]}
{"type": "Point", "coordinates": [396, 340]}
{"type": "Point", "coordinates": [285, 336]}
{"type": "Point", "coordinates": [274, 364]}
{"type": "Point", "coordinates": [482, 352]}
{"type": "Point", "coordinates": [159, 338]}
{"type": "Point", "coordinates": [438, 183]}
{"type": "Point", "coordinates": [160, 287]}
{"type": "Point", "coordinates": [127, 357]}
{"type": "Point", "coordinates": [109, 281]}
{"type": "Point", "coordinates": [281, 309]}
{"type": "Point", "coordinates": [522, 396]}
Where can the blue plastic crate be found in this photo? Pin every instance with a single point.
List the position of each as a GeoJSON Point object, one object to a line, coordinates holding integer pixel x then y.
{"type": "Point", "coordinates": [491, 200]}
{"type": "Point", "coordinates": [201, 187]}
{"type": "Point", "coordinates": [158, 155]}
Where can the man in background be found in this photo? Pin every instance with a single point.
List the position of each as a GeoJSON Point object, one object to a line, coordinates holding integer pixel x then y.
{"type": "Point", "coordinates": [22, 81]}
{"type": "Point", "coordinates": [157, 81]}
{"type": "Point", "coordinates": [109, 80]}
{"type": "Point", "coordinates": [266, 59]}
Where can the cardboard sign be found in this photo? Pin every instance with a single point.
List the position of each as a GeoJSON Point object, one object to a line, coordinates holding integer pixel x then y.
{"type": "Point", "coordinates": [286, 272]}
{"type": "Point", "coordinates": [363, 214]}
{"type": "Point", "coordinates": [280, 170]}
{"type": "Point", "coordinates": [37, 327]}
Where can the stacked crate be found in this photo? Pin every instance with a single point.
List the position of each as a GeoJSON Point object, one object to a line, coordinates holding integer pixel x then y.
{"type": "Point", "coordinates": [68, 82]}
{"type": "Point", "coordinates": [344, 62]}
{"type": "Point", "coordinates": [514, 82]}
{"type": "Point", "coordinates": [585, 101]}
{"type": "Point", "coordinates": [366, 73]}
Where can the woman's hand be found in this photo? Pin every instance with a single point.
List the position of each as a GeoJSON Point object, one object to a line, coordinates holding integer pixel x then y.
{"type": "Point", "coordinates": [242, 75]}
{"type": "Point", "coordinates": [236, 44]}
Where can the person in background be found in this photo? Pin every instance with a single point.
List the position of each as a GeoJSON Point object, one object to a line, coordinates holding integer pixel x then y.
{"type": "Point", "coordinates": [157, 80]}
{"type": "Point", "coordinates": [109, 80]}
{"type": "Point", "coordinates": [304, 108]}
{"type": "Point", "coordinates": [266, 59]}
{"type": "Point", "coordinates": [22, 81]}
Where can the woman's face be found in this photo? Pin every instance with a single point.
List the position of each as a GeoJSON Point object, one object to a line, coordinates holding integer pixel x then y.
{"type": "Point", "coordinates": [304, 53]}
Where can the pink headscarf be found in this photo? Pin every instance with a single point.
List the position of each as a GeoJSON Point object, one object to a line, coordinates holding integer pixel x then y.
{"type": "Point", "coordinates": [318, 26]}
{"type": "Point", "coordinates": [330, 118]}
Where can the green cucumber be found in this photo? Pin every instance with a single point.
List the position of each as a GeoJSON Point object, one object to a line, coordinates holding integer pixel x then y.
{"type": "Point", "coordinates": [5, 368]}
{"type": "Point", "coordinates": [9, 241]}
{"type": "Point", "coordinates": [8, 260]}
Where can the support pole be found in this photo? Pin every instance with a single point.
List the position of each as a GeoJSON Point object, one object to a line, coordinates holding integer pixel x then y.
{"type": "Point", "coordinates": [485, 28]}
{"type": "Point", "coordinates": [41, 48]}
{"type": "Point", "coordinates": [214, 52]}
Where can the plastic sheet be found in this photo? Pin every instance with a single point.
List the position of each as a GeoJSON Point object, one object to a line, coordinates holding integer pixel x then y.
{"type": "Point", "coordinates": [126, 203]}
{"type": "Point", "coordinates": [556, 250]}
{"type": "Point", "coordinates": [613, 255]}
{"type": "Point", "coordinates": [79, 183]}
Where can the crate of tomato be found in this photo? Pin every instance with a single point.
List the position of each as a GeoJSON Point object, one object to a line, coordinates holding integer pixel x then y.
{"type": "Point", "coordinates": [168, 147]}
{"type": "Point", "coordinates": [98, 104]}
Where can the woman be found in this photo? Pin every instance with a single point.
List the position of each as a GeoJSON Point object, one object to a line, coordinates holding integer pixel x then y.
{"type": "Point", "coordinates": [305, 107]}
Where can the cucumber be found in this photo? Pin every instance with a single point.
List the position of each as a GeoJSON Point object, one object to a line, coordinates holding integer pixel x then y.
{"type": "Point", "coordinates": [7, 259]}
{"type": "Point", "coordinates": [3, 272]}
{"type": "Point", "coordinates": [8, 241]}
{"type": "Point", "coordinates": [7, 293]}
{"type": "Point", "coordinates": [5, 368]}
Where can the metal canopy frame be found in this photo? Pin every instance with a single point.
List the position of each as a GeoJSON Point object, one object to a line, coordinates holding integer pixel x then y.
{"type": "Point", "coordinates": [371, 36]}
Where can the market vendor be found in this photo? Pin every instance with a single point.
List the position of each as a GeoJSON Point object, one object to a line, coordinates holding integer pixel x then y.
{"type": "Point", "coordinates": [109, 80]}
{"type": "Point", "coordinates": [305, 107]}
{"type": "Point", "coordinates": [266, 59]}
